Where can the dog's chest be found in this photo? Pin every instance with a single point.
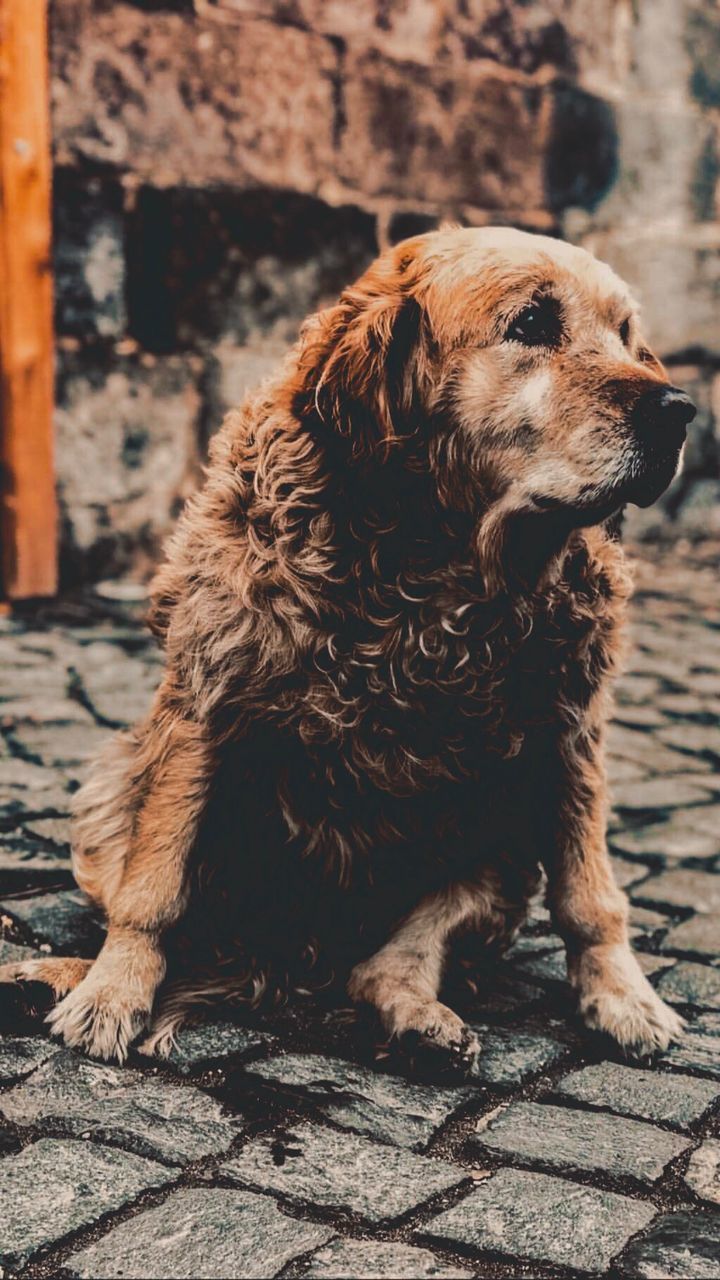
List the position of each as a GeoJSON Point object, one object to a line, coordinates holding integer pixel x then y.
{"type": "Point", "coordinates": [453, 682]}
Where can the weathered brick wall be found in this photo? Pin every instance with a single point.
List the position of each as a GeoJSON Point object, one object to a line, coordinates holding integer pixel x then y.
{"type": "Point", "coordinates": [224, 166]}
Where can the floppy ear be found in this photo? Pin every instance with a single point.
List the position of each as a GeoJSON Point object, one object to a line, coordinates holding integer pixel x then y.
{"type": "Point", "coordinates": [363, 359]}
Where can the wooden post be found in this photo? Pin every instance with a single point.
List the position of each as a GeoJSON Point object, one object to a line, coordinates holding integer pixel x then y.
{"type": "Point", "coordinates": [28, 515]}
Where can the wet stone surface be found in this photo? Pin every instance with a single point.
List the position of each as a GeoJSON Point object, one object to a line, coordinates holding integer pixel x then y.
{"type": "Point", "coordinates": [279, 1143]}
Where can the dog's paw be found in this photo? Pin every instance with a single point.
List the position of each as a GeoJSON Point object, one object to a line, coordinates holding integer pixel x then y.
{"type": "Point", "coordinates": [30, 988]}
{"type": "Point", "coordinates": [435, 1039]}
{"type": "Point", "coordinates": [642, 1024]}
{"type": "Point", "coordinates": [101, 1021]}
{"type": "Point", "coordinates": [616, 999]}
{"type": "Point", "coordinates": [440, 1048]}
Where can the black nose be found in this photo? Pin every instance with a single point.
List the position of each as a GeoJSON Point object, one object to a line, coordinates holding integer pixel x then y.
{"type": "Point", "coordinates": [661, 415]}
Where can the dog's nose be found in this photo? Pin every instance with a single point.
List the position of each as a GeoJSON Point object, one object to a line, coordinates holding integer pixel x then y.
{"type": "Point", "coordinates": [661, 415]}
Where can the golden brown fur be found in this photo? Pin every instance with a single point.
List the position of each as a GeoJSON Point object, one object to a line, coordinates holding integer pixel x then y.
{"type": "Point", "coordinates": [390, 617]}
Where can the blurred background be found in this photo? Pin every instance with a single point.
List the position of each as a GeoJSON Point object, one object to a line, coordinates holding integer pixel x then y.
{"type": "Point", "coordinates": [225, 166]}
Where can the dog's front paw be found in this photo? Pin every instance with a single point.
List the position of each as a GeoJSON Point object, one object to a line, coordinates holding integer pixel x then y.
{"type": "Point", "coordinates": [443, 1041]}
{"type": "Point", "coordinates": [616, 998]}
{"type": "Point", "coordinates": [641, 1025]}
{"type": "Point", "coordinates": [28, 989]}
{"type": "Point", "coordinates": [100, 1020]}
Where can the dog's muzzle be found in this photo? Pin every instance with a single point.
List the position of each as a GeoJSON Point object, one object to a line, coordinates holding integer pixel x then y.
{"type": "Point", "coordinates": [659, 421]}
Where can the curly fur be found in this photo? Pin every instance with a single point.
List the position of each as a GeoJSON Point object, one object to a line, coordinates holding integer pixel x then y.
{"type": "Point", "coordinates": [387, 666]}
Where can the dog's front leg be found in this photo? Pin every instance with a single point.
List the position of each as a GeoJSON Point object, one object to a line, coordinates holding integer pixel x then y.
{"type": "Point", "coordinates": [107, 1010]}
{"type": "Point", "coordinates": [402, 980]}
{"type": "Point", "coordinates": [590, 911]}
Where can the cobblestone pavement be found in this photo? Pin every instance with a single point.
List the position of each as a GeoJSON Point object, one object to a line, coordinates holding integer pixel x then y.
{"type": "Point", "coordinates": [279, 1147]}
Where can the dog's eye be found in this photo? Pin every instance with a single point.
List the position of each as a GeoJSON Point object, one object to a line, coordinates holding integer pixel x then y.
{"type": "Point", "coordinates": [624, 332]}
{"type": "Point", "coordinates": [538, 325]}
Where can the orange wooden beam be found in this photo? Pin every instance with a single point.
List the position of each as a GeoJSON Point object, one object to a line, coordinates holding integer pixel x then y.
{"type": "Point", "coordinates": [28, 513]}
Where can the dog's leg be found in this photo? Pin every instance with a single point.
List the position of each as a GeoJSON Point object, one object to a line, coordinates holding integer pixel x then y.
{"type": "Point", "coordinates": [590, 913]}
{"type": "Point", "coordinates": [29, 987]}
{"type": "Point", "coordinates": [108, 1009]}
{"type": "Point", "coordinates": [402, 980]}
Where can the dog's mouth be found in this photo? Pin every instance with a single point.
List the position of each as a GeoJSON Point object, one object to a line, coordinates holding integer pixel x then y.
{"type": "Point", "coordinates": [643, 483]}
{"type": "Point", "coordinates": [655, 472]}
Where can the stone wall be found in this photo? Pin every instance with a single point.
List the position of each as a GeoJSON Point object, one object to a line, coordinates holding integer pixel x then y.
{"type": "Point", "coordinates": [224, 166]}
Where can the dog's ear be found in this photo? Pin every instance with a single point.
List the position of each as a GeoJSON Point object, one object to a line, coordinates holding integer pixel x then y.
{"type": "Point", "coordinates": [363, 360]}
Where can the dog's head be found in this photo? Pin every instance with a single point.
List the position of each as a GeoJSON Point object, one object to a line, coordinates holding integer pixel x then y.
{"type": "Point", "coordinates": [520, 355]}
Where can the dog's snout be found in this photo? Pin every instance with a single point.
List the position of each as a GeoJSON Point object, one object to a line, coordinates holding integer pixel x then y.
{"type": "Point", "coordinates": [662, 414]}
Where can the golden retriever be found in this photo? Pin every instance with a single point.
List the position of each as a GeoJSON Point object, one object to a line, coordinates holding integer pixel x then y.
{"type": "Point", "coordinates": [391, 618]}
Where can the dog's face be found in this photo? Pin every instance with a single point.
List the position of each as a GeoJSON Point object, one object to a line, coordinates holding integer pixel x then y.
{"type": "Point", "coordinates": [528, 348]}
{"type": "Point", "coordinates": [544, 367]}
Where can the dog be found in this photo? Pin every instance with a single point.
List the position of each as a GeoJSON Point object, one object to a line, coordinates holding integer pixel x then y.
{"type": "Point", "coordinates": [391, 619]}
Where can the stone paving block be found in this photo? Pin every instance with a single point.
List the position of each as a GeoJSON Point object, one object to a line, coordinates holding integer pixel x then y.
{"type": "Point", "coordinates": [700, 935]}
{"type": "Point", "coordinates": [384, 1106]}
{"type": "Point", "coordinates": [647, 1095]}
{"type": "Point", "coordinates": [679, 1246]}
{"type": "Point", "coordinates": [19, 1055]}
{"type": "Point", "coordinates": [683, 836]}
{"type": "Point", "coordinates": [641, 717]}
{"type": "Point", "coordinates": [579, 1140]}
{"type": "Point", "coordinates": [32, 679]}
{"type": "Point", "coordinates": [509, 1057]}
{"type": "Point", "coordinates": [697, 738]}
{"type": "Point", "coordinates": [19, 802]}
{"type": "Point", "coordinates": [687, 983]}
{"type": "Point", "coordinates": [200, 1232]}
{"type": "Point", "coordinates": [643, 921]}
{"type": "Point", "coordinates": [118, 687]}
{"type": "Point", "coordinates": [652, 964]}
{"type": "Point", "coordinates": [24, 775]}
{"type": "Point", "coordinates": [10, 953]}
{"type": "Point", "coordinates": [548, 968]}
{"type": "Point", "coordinates": [339, 1170]}
{"type": "Point", "coordinates": [627, 873]}
{"type": "Point", "coordinates": [703, 1171]}
{"type": "Point", "coordinates": [43, 710]}
{"type": "Point", "coordinates": [150, 1116]}
{"type": "Point", "coordinates": [62, 744]}
{"type": "Point", "coordinates": [531, 944]}
{"type": "Point", "coordinates": [55, 830]}
{"type": "Point", "coordinates": [710, 781]}
{"type": "Point", "coordinates": [658, 793]}
{"type": "Point", "coordinates": [682, 887]}
{"type": "Point", "coordinates": [619, 770]}
{"type": "Point", "coordinates": [548, 1220]}
{"type": "Point", "coordinates": [65, 919]}
{"type": "Point", "coordinates": [19, 856]}
{"type": "Point", "coordinates": [213, 1040]}
{"type": "Point", "coordinates": [379, 1260]}
{"type": "Point", "coordinates": [698, 1048]}
{"type": "Point", "coordinates": [54, 1187]}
